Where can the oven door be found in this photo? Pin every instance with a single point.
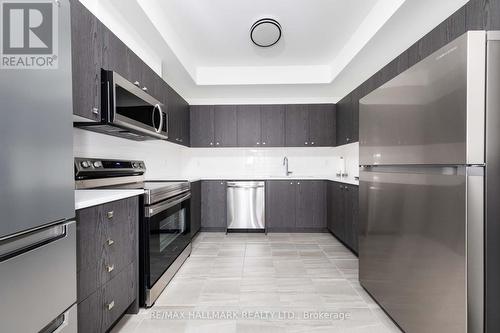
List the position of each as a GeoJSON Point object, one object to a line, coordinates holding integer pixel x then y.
{"type": "Point", "coordinates": [131, 108]}
{"type": "Point", "coordinates": [167, 234]}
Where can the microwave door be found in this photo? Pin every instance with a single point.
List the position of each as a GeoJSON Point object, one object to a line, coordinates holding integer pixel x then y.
{"type": "Point", "coordinates": [135, 110]}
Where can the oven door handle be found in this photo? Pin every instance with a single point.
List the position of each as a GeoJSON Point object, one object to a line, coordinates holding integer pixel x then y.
{"type": "Point", "coordinates": [162, 206]}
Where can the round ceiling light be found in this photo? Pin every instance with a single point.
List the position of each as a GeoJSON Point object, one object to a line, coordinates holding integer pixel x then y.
{"type": "Point", "coordinates": [265, 32]}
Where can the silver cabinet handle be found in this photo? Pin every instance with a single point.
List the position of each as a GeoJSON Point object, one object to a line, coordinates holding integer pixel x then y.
{"type": "Point", "coordinates": [291, 183]}
{"type": "Point", "coordinates": [110, 305]}
{"type": "Point", "coordinates": [258, 143]}
{"type": "Point", "coordinates": [216, 143]}
{"type": "Point", "coordinates": [263, 143]}
{"type": "Point", "coordinates": [312, 143]}
{"type": "Point", "coordinates": [95, 110]}
{"type": "Point", "coordinates": [347, 139]}
{"type": "Point", "coordinates": [110, 268]}
{"type": "Point", "coordinates": [110, 242]}
{"type": "Point", "coordinates": [137, 83]}
{"type": "Point", "coordinates": [306, 143]}
{"type": "Point", "coordinates": [211, 143]}
{"type": "Point", "coordinates": [110, 214]}
{"type": "Point", "coordinates": [144, 88]}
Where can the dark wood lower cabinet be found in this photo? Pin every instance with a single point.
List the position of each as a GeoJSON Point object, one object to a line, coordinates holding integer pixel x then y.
{"type": "Point", "coordinates": [280, 205]}
{"type": "Point", "coordinates": [107, 251]}
{"type": "Point", "coordinates": [296, 205]}
{"type": "Point", "coordinates": [195, 207]}
{"type": "Point", "coordinates": [213, 205]}
{"type": "Point", "coordinates": [342, 213]}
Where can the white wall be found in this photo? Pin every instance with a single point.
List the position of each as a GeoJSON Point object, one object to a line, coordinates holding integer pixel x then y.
{"type": "Point", "coordinates": [165, 160]}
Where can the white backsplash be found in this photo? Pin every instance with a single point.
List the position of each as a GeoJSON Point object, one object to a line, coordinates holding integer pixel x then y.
{"type": "Point", "coordinates": [165, 160]}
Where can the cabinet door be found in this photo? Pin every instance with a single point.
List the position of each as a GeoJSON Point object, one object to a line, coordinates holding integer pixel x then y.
{"type": "Point", "coordinates": [249, 133]}
{"type": "Point", "coordinates": [202, 125]}
{"type": "Point", "coordinates": [330, 205]}
{"type": "Point", "coordinates": [195, 207]}
{"type": "Point", "coordinates": [280, 205]}
{"type": "Point", "coordinates": [86, 48]}
{"type": "Point", "coordinates": [272, 125]}
{"type": "Point", "coordinates": [213, 205]}
{"type": "Point", "coordinates": [344, 122]}
{"type": "Point", "coordinates": [115, 54]}
{"type": "Point", "coordinates": [354, 193]}
{"type": "Point", "coordinates": [322, 125]}
{"type": "Point", "coordinates": [296, 126]}
{"type": "Point", "coordinates": [338, 221]}
{"type": "Point", "coordinates": [225, 125]}
{"type": "Point", "coordinates": [348, 217]}
{"type": "Point", "coordinates": [355, 97]}
{"type": "Point", "coordinates": [310, 203]}
{"type": "Point", "coordinates": [136, 70]}
{"type": "Point", "coordinates": [186, 119]}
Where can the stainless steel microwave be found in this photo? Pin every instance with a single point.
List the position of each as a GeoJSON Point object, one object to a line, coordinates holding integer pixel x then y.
{"type": "Point", "coordinates": [128, 111]}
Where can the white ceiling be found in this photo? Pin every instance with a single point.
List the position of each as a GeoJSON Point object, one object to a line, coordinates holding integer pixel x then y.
{"type": "Point", "coordinates": [328, 47]}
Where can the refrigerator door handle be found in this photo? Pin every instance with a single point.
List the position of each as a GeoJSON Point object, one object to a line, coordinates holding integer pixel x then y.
{"type": "Point", "coordinates": [17, 245]}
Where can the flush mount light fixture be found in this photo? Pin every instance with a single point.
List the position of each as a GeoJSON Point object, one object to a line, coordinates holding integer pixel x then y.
{"type": "Point", "coordinates": [265, 32]}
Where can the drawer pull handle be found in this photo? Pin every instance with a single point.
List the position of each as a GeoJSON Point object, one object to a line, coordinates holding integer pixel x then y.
{"type": "Point", "coordinates": [110, 305]}
{"type": "Point", "coordinates": [110, 242]}
{"type": "Point", "coordinates": [110, 268]}
{"type": "Point", "coordinates": [110, 215]}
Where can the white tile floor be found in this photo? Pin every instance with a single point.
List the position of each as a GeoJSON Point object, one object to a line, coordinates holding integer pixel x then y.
{"type": "Point", "coordinates": [263, 283]}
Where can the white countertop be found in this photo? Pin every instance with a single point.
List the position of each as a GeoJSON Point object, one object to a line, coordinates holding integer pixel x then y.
{"type": "Point", "coordinates": [257, 177]}
{"type": "Point", "coordinates": [89, 198]}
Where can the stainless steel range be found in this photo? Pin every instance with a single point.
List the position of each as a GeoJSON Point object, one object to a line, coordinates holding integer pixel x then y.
{"type": "Point", "coordinates": [165, 231]}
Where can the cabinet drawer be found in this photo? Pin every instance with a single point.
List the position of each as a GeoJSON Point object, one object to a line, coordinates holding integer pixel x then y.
{"type": "Point", "coordinates": [117, 295]}
{"type": "Point", "coordinates": [107, 242]}
{"type": "Point", "coordinates": [120, 221]}
{"type": "Point", "coordinates": [101, 309]}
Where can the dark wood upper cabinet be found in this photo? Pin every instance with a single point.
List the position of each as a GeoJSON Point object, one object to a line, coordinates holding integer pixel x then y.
{"type": "Point", "coordinates": [272, 125]}
{"type": "Point", "coordinates": [322, 125]}
{"type": "Point", "coordinates": [249, 125]}
{"type": "Point", "coordinates": [296, 125]}
{"type": "Point", "coordinates": [344, 134]}
{"type": "Point", "coordinates": [86, 47]}
{"type": "Point", "coordinates": [225, 124]}
{"type": "Point", "coordinates": [115, 54]}
{"type": "Point", "coordinates": [202, 125]}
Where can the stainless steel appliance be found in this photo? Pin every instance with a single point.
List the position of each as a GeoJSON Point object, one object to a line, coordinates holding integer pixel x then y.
{"type": "Point", "coordinates": [246, 206]}
{"type": "Point", "coordinates": [128, 111]}
{"type": "Point", "coordinates": [37, 234]}
{"type": "Point", "coordinates": [422, 188]}
{"type": "Point", "coordinates": [164, 231]}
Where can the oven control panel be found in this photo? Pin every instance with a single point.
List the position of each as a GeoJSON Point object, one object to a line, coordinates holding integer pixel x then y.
{"type": "Point", "coordinates": [101, 168]}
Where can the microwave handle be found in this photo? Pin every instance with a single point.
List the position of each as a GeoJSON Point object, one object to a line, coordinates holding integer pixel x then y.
{"type": "Point", "coordinates": [157, 108]}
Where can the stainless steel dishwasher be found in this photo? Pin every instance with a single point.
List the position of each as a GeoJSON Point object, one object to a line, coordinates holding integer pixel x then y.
{"type": "Point", "coordinates": [246, 206]}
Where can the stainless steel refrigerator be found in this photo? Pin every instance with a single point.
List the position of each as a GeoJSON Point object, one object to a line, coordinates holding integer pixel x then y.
{"type": "Point", "coordinates": [424, 181]}
{"type": "Point", "coordinates": [37, 228]}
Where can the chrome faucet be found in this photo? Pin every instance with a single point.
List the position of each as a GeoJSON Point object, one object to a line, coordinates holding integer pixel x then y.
{"type": "Point", "coordinates": [285, 163]}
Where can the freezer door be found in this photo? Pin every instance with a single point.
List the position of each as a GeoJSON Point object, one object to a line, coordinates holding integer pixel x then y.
{"type": "Point", "coordinates": [419, 228]}
{"type": "Point", "coordinates": [433, 113]}
{"type": "Point", "coordinates": [38, 275]}
{"type": "Point", "coordinates": [36, 140]}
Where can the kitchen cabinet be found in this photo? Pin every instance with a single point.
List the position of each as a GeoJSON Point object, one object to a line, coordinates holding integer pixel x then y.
{"type": "Point", "coordinates": [294, 206]}
{"type": "Point", "coordinates": [345, 127]}
{"type": "Point", "coordinates": [178, 117]}
{"type": "Point", "coordinates": [86, 49]}
{"type": "Point", "coordinates": [296, 125]}
{"type": "Point", "coordinates": [115, 55]}
{"type": "Point", "coordinates": [202, 125]}
{"type": "Point", "coordinates": [280, 205]}
{"type": "Point", "coordinates": [225, 125]}
{"type": "Point", "coordinates": [272, 127]}
{"type": "Point", "coordinates": [310, 205]}
{"type": "Point", "coordinates": [213, 205]}
{"type": "Point", "coordinates": [310, 125]}
{"type": "Point", "coordinates": [249, 126]}
{"type": "Point", "coordinates": [342, 213]}
{"type": "Point", "coordinates": [107, 271]}
{"type": "Point", "coordinates": [195, 207]}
